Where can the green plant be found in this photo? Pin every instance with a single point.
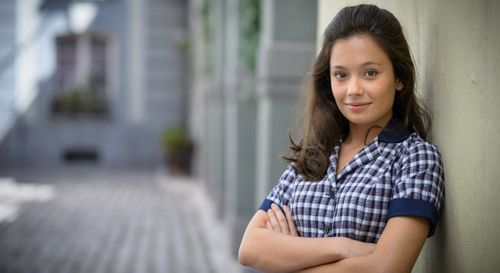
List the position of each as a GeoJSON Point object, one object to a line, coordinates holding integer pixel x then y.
{"type": "Point", "coordinates": [77, 100]}
{"type": "Point", "coordinates": [179, 148]}
{"type": "Point", "coordinates": [175, 139]}
{"type": "Point", "coordinates": [249, 32]}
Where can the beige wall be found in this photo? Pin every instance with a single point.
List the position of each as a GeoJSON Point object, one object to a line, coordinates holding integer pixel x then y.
{"type": "Point", "coordinates": [456, 46]}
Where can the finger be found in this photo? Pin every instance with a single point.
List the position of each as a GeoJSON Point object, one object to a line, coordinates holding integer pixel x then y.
{"type": "Point", "coordinates": [291, 224]}
{"type": "Point", "coordinates": [281, 219]}
{"type": "Point", "coordinates": [274, 221]}
{"type": "Point", "coordinates": [268, 225]}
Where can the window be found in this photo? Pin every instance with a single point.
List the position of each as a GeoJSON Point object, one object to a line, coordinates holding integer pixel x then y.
{"type": "Point", "coordinates": [82, 73]}
{"type": "Point", "coordinates": [66, 62]}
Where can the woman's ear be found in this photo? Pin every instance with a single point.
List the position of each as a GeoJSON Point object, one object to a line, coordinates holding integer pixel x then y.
{"type": "Point", "coordinates": [399, 85]}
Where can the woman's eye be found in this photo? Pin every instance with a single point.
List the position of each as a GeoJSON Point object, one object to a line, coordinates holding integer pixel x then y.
{"type": "Point", "coordinates": [371, 73]}
{"type": "Point", "coordinates": [339, 75]}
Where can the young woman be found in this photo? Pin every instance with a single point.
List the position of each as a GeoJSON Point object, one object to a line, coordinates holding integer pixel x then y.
{"type": "Point", "coordinates": [363, 188]}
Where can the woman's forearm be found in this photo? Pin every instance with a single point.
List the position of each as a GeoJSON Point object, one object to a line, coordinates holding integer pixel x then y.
{"type": "Point", "coordinates": [396, 251]}
{"type": "Point", "coordinates": [270, 251]}
{"type": "Point", "coordinates": [363, 264]}
{"type": "Point", "coordinates": [276, 252]}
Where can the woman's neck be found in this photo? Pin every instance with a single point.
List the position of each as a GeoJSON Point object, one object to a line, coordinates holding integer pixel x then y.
{"type": "Point", "coordinates": [364, 134]}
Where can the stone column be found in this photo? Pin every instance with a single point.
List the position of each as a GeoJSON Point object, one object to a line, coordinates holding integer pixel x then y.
{"type": "Point", "coordinates": [240, 122]}
{"type": "Point", "coordinates": [136, 66]}
{"type": "Point", "coordinates": [287, 49]}
{"type": "Point", "coordinates": [214, 154]}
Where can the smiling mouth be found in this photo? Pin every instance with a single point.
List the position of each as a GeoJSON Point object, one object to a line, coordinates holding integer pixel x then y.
{"type": "Point", "coordinates": [357, 107]}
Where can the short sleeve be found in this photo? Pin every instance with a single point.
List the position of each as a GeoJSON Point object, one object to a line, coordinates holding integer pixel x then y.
{"type": "Point", "coordinates": [419, 185]}
{"type": "Point", "coordinates": [281, 194]}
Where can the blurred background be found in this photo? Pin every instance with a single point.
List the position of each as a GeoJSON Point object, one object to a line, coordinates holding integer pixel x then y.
{"type": "Point", "coordinates": [141, 135]}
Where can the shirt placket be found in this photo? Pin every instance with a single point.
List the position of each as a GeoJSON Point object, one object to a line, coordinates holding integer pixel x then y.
{"type": "Point", "coordinates": [330, 193]}
{"type": "Point", "coordinates": [329, 223]}
{"type": "Point", "coordinates": [366, 155]}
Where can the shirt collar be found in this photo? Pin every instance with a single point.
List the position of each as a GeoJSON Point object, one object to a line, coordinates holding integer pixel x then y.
{"type": "Point", "coordinates": [394, 132]}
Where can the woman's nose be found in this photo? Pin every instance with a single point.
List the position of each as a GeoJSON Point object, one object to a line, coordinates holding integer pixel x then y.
{"type": "Point", "coordinates": [355, 87]}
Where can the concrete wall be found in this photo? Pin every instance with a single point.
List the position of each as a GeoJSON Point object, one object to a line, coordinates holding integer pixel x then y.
{"type": "Point", "coordinates": [456, 48]}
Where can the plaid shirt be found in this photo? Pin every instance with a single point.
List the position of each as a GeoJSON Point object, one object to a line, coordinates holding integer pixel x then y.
{"type": "Point", "coordinates": [397, 174]}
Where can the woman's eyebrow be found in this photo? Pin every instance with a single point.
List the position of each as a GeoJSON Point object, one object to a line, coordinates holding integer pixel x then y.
{"type": "Point", "coordinates": [337, 67]}
{"type": "Point", "coordinates": [362, 65]}
{"type": "Point", "coordinates": [370, 63]}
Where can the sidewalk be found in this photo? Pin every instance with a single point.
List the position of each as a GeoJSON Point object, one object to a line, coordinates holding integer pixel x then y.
{"type": "Point", "coordinates": [97, 220]}
{"type": "Point", "coordinates": [215, 233]}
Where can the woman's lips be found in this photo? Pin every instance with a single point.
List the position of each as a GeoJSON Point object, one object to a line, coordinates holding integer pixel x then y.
{"type": "Point", "coordinates": [357, 106]}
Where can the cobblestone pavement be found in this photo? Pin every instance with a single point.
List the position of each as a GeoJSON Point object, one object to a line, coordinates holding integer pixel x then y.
{"type": "Point", "coordinates": [106, 221]}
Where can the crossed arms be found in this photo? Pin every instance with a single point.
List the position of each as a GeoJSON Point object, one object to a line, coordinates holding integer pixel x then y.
{"type": "Point", "coordinates": [271, 244]}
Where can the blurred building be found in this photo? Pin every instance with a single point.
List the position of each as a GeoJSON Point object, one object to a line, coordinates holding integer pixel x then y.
{"type": "Point", "coordinates": [250, 59]}
{"type": "Point", "coordinates": [99, 81]}
{"type": "Point", "coordinates": [95, 81]}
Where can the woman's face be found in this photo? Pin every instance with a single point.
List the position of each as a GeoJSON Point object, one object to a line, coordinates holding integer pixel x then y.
{"type": "Point", "coordinates": [363, 81]}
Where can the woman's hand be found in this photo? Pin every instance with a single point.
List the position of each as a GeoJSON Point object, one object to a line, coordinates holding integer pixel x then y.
{"type": "Point", "coordinates": [266, 233]}
{"type": "Point", "coordinates": [283, 223]}
{"type": "Point", "coordinates": [279, 222]}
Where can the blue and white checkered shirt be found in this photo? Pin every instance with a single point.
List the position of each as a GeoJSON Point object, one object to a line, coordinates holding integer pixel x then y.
{"type": "Point", "coordinates": [397, 174]}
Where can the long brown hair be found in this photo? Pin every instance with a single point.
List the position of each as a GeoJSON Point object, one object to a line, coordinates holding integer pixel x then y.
{"type": "Point", "coordinates": [325, 125]}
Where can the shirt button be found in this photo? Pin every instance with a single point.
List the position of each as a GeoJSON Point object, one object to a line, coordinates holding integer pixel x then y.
{"type": "Point", "coordinates": [326, 230]}
{"type": "Point", "coordinates": [332, 194]}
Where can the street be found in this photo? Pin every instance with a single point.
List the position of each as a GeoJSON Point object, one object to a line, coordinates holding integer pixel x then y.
{"type": "Point", "coordinates": [98, 220]}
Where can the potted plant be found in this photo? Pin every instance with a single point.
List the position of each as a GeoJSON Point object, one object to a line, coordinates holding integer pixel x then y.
{"type": "Point", "coordinates": [179, 148]}
{"type": "Point", "coordinates": [77, 101]}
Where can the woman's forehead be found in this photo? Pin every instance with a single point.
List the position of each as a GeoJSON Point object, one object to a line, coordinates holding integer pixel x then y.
{"type": "Point", "coordinates": [357, 50]}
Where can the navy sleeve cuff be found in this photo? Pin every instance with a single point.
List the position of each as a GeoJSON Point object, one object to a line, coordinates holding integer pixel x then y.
{"type": "Point", "coordinates": [266, 204]}
{"type": "Point", "coordinates": [413, 207]}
